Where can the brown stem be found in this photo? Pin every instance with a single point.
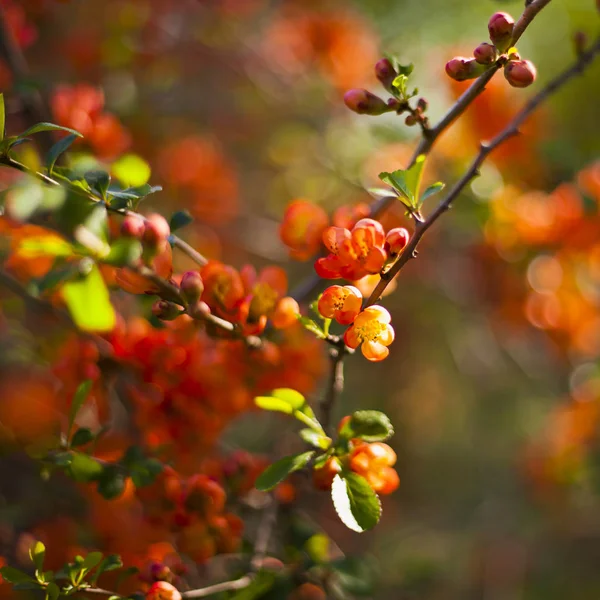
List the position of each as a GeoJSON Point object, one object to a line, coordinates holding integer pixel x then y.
{"type": "Point", "coordinates": [336, 384]}
{"type": "Point", "coordinates": [485, 149]}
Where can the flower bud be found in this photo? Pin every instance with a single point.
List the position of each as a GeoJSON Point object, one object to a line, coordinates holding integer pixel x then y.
{"type": "Point", "coordinates": [396, 240]}
{"type": "Point", "coordinates": [410, 120]}
{"type": "Point", "coordinates": [199, 310]}
{"type": "Point", "coordinates": [156, 231]}
{"type": "Point", "coordinates": [191, 286]}
{"type": "Point", "coordinates": [461, 68]}
{"type": "Point", "coordinates": [385, 72]}
{"type": "Point", "coordinates": [163, 590]}
{"type": "Point", "coordinates": [133, 226]}
{"type": "Point", "coordinates": [485, 54]}
{"type": "Point", "coordinates": [364, 102]}
{"type": "Point", "coordinates": [520, 73]}
{"type": "Point", "coordinates": [500, 27]}
{"type": "Point", "coordinates": [422, 105]}
{"type": "Point", "coordinates": [165, 310]}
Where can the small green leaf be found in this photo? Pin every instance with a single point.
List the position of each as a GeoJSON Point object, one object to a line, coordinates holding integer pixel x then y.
{"type": "Point", "coordinates": [368, 425]}
{"type": "Point", "coordinates": [407, 182]}
{"type": "Point", "coordinates": [15, 576]}
{"type": "Point", "coordinates": [355, 502]}
{"type": "Point", "coordinates": [311, 326]}
{"type": "Point", "coordinates": [52, 591]}
{"type": "Point", "coordinates": [124, 251]}
{"type": "Point", "coordinates": [109, 563]}
{"type": "Point", "coordinates": [282, 400]}
{"type": "Point", "coordinates": [98, 181]}
{"type": "Point", "coordinates": [2, 117]}
{"type": "Point", "coordinates": [397, 181]}
{"type": "Point", "coordinates": [82, 437]}
{"type": "Point", "coordinates": [91, 560]}
{"type": "Point", "coordinates": [88, 302]}
{"type": "Point", "coordinates": [57, 149]}
{"type": "Point", "coordinates": [315, 439]}
{"type": "Point", "coordinates": [180, 219]}
{"type": "Point", "coordinates": [278, 471]}
{"type": "Point", "coordinates": [432, 189]}
{"type": "Point", "coordinates": [48, 127]}
{"type": "Point", "coordinates": [49, 245]}
{"type": "Point", "coordinates": [112, 483]}
{"type": "Point", "coordinates": [84, 468]}
{"type": "Point", "coordinates": [135, 193]}
{"type": "Point", "coordinates": [36, 554]}
{"type": "Point", "coordinates": [79, 398]}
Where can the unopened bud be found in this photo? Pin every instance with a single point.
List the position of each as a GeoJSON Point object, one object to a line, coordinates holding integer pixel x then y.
{"type": "Point", "coordinates": [485, 54]}
{"type": "Point", "coordinates": [364, 102]}
{"type": "Point", "coordinates": [461, 68]}
{"type": "Point", "coordinates": [156, 231]}
{"type": "Point", "coordinates": [165, 310]}
{"type": "Point", "coordinates": [500, 27]}
{"type": "Point", "coordinates": [422, 104]}
{"type": "Point", "coordinates": [191, 286]}
{"type": "Point", "coordinates": [520, 73]}
{"type": "Point", "coordinates": [410, 120]}
{"type": "Point", "coordinates": [199, 310]}
{"type": "Point", "coordinates": [385, 72]}
{"type": "Point", "coordinates": [396, 240]}
{"type": "Point", "coordinates": [132, 226]}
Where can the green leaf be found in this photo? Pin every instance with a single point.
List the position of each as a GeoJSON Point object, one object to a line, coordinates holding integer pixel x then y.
{"type": "Point", "coordinates": [57, 149]}
{"type": "Point", "coordinates": [180, 219]}
{"type": "Point", "coordinates": [407, 182]}
{"type": "Point", "coordinates": [36, 554]}
{"type": "Point", "coordinates": [311, 326]}
{"type": "Point", "coordinates": [82, 437]}
{"type": "Point", "coordinates": [355, 502]}
{"type": "Point", "coordinates": [432, 189]}
{"type": "Point", "coordinates": [88, 302]}
{"type": "Point", "coordinates": [112, 483]}
{"type": "Point", "coordinates": [355, 575]}
{"type": "Point", "coordinates": [258, 588]}
{"type": "Point", "coordinates": [283, 400]}
{"type": "Point", "coordinates": [91, 560]}
{"type": "Point", "coordinates": [52, 591]}
{"type": "Point", "coordinates": [368, 425]}
{"type": "Point", "coordinates": [124, 251]}
{"type": "Point", "coordinates": [109, 563]}
{"type": "Point", "coordinates": [131, 170]}
{"type": "Point", "coordinates": [49, 245]}
{"type": "Point", "coordinates": [315, 439]}
{"type": "Point", "coordinates": [48, 127]}
{"type": "Point", "coordinates": [15, 576]}
{"type": "Point", "coordinates": [134, 193]}
{"type": "Point", "coordinates": [79, 398]}
{"type": "Point", "coordinates": [278, 471]}
{"type": "Point", "coordinates": [2, 117]}
{"type": "Point", "coordinates": [98, 181]}
{"type": "Point", "coordinates": [399, 85]}
{"type": "Point", "coordinates": [84, 468]}
{"type": "Point", "coordinates": [397, 181]}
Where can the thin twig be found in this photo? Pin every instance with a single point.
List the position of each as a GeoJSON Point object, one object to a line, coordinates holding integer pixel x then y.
{"type": "Point", "coordinates": [485, 149]}
{"type": "Point", "coordinates": [335, 385]}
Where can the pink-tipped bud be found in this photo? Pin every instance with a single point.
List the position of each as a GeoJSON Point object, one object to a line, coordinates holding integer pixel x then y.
{"type": "Point", "coordinates": [364, 102]}
{"type": "Point", "coordinates": [422, 105]}
{"type": "Point", "coordinates": [396, 240]}
{"type": "Point", "coordinates": [485, 54]}
{"type": "Point", "coordinates": [461, 68]}
{"type": "Point", "coordinates": [165, 310]}
{"type": "Point", "coordinates": [163, 590]}
{"type": "Point", "coordinates": [385, 72]}
{"type": "Point", "coordinates": [156, 231]}
{"type": "Point", "coordinates": [132, 226]}
{"type": "Point", "coordinates": [500, 27]}
{"type": "Point", "coordinates": [520, 73]}
{"type": "Point", "coordinates": [191, 286]}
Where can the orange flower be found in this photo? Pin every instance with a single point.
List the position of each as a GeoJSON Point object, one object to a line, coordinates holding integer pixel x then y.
{"type": "Point", "coordinates": [342, 303]}
{"type": "Point", "coordinates": [371, 331]}
{"type": "Point", "coordinates": [286, 313]}
{"type": "Point", "coordinates": [301, 229]}
{"type": "Point", "coordinates": [223, 288]}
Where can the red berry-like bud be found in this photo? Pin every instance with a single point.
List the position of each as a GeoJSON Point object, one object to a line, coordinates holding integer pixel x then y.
{"type": "Point", "coordinates": [396, 240]}
{"type": "Point", "coordinates": [422, 105]}
{"type": "Point", "coordinates": [385, 72]}
{"type": "Point", "coordinates": [461, 68]}
{"type": "Point", "coordinates": [500, 27]}
{"type": "Point", "coordinates": [162, 590]}
{"type": "Point", "coordinates": [364, 102]}
{"type": "Point", "coordinates": [156, 231]}
{"type": "Point", "coordinates": [132, 226]}
{"type": "Point", "coordinates": [191, 286]}
{"type": "Point", "coordinates": [485, 54]}
{"type": "Point", "coordinates": [165, 311]}
{"type": "Point", "coordinates": [199, 310]}
{"type": "Point", "coordinates": [520, 73]}
{"type": "Point", "coordinates": [410, 120]}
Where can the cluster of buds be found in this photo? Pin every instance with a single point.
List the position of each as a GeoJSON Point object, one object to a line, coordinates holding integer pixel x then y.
{"type": "Point", "coordinates": [519, 73]}
{"type": "Point", "coordinates": [153, 231]}
{"type": "Point", "coordinates": [364, 102]}
{"type": "Point", "coordinates": [373, 461]}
